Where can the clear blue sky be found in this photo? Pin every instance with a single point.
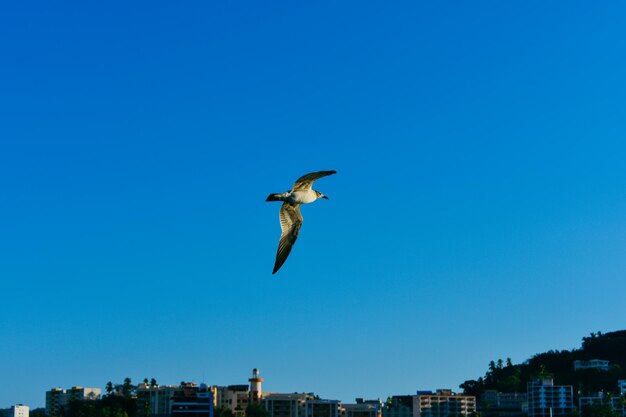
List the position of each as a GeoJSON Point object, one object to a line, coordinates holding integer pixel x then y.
{"type": "Point", "coordinates": [479, 210]}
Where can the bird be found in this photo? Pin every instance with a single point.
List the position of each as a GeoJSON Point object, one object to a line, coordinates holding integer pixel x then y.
{"type": "Point", "coordinates": [302, 192]}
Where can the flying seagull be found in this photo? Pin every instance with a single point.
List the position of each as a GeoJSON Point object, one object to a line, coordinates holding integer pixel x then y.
{"type": "Point", "coordinates": [290, 217]}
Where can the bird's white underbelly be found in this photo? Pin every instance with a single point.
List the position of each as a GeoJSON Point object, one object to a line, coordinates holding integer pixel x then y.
{"type": "Point", "coordinates": [302, 197]}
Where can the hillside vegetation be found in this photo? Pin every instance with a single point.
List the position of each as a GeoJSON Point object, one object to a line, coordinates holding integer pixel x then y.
{"type": "Point", "coordinates": [504, 376]}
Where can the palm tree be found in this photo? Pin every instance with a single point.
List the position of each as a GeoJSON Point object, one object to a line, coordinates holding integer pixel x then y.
{"type": "Point", "coordinates": [127, 387]}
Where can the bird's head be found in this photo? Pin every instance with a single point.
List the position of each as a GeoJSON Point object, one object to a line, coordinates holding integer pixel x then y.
{"type": "Point", "coordinates": [320, 195]}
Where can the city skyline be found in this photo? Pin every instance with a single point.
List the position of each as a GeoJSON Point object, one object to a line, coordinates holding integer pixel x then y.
{"type": "Point", "coordinates": [478, 211]}
{"type": "Point", "coordinates": [255, 392]}
{"type": "Point", "coordinates": [161, 400]}
{"type": "Point", "coordinates": [152, 399]}
{"type": "Point", "coordinates": [96, 392]}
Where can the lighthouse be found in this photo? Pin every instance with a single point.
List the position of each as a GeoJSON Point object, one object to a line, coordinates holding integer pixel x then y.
{"type": "Point", "coordinates": [255, 387]}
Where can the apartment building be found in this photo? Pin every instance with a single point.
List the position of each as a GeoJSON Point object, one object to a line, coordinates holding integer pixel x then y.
{"type": "Point", "coordinates": [286, 405]}
{"type": "Point", "coordinates": [155, 401]}
{"type": "Point", "coordinates": [614, 401]}
{"type": "Point", "coordinates": [548, 400]}
{"type": "Point", "coordinates": [233, 397]}
{"type": "Point", "coordinates": [192, 401]}
{"type": "Point", "coordinates": [82, 394]}
{"type": "Point", "coordinates": [372, 408]}
{"type": "Point", "coordinates": [55, 401]}
{"type": "Point", "coordinates": [322, 408]}
{"type": "Point", "coordinates": [504, 404]}
{"type": "Point", "coordinates": [57, 398]}
{"type": "Point", "coordinates": [442, 403]}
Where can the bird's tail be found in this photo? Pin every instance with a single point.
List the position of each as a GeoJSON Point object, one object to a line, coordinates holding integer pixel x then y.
{"type": "Point", "coordinates": [274, 197]}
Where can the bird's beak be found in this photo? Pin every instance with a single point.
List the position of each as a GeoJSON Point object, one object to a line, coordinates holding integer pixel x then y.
{"type": "Point", "coordinates": [325, 197]}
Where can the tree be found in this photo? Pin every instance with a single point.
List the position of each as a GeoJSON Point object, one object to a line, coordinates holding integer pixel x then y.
{"type": "Point", "coordinates": [127, 388]}
{"type": "Point", "coordinates": [38, 412]}
{"type": "Point", "coordinates": [117, 406]}
{"type": "Point", "coordinates": [472, 387]}
{"type": "Point", "coordinates": [223, 412]}
{"type": "Point", "coordinates": [256, 410]}
{"type": "Point", "coordinates": [109, 388]}
{"type": "Point", "coordinates": [543, 372]}
{"type": "Point", "coordinates": [153, 383]}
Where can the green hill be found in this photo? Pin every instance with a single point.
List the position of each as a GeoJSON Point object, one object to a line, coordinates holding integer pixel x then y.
{"type": "Point", "coordinates": [505, 376]}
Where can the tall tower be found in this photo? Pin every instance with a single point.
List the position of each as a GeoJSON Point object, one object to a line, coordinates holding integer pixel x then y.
{"type": "Point", "coordinates": [255, 387]}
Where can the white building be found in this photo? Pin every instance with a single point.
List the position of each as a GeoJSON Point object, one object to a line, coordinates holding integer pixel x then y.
{"type": "Point", "coordinates": [19, 410]}
{"type": "Point", "coordinates": [234, 397]}
{"type": "Point", "coordinates": [592, 364]}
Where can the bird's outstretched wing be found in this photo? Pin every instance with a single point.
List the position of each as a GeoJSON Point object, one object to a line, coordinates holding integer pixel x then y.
{"type": "Point", "coordinates": [305, 182]}
{"type": "Point", "coordinates": [290, 222]}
